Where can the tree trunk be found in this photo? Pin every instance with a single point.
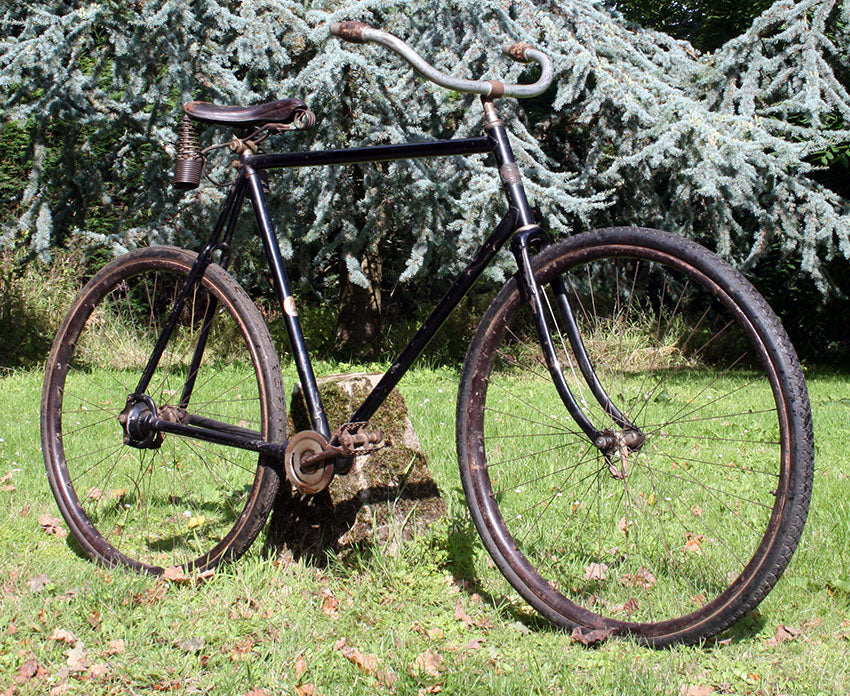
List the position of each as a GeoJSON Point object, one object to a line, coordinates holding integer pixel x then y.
{"type": "Point", "coordinates": [358, 327]}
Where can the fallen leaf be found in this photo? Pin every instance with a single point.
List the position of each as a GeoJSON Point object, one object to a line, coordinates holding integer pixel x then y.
{"type": "Point", "coordinates": [115, 647]}
{"type": "Point", "coordinates": [192, 645]}
{"type": "Point", "coordinates": [693, 544]}
{"type": "Point", "coordinates": [198, 521]}
{"type": "Point", "coordinates": [642, 578]}
{"type": "Point", "coordinates": [306, 690]}
{"type": "Point", "coordinates": [98, 670]}
{"type": "Point", "coordinates": [27, 671]}
{"type": "Point", "coordinates": [64, 636]}
{"type": "Point", "coordinates": [596, 571]}
{"type": "Point", "coordinates": [698, 690]}
{"type": "Point", "coordinates": [461, 615]}
{"type": "Point", "coordinates": [59, 689]}
{"type": "Point", "coordinates": [783, 633]}
{"type": "Point", "coordinates": [93, 619]}
{"type": "Point", "coordinates": [95, 493]}
{"type": "Point", "coordinates": [591, 636]}
{"type": "Point", "coordinates": [696, 511]}
{"type": "Point", "coordinates": [39, 582]}
{"type": "Point", "coordinates": [475, 643]}
{"type": "Point", "coordinates": [300, 667]}
{"type": "Point", "coordinates": [175, 574]}
{"type": "Point", "coordinates": [368, 663]}
{"type": "Point", "coordinates": [242, 651]}
{"type": "Point", "coordinates": [77, 660]}
{"type": "Point", "coordinates": [429, 662]}
{"type": "Point", "coordinates": [257, 691]}
{"type": "Point", "coordinates": [435, 634]}
{"type": "Point", "coordinates": [330, 604]}
{"type": "Point", "coordinates": [623, 525]}
{"type": "Point", "coordinates": [52, 525]}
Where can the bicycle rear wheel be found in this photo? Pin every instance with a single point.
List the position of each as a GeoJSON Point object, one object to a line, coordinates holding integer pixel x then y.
{"type": "Point", "coordinates": [672, 542]}
{"type": "Point", "coordinates": [181, 502]}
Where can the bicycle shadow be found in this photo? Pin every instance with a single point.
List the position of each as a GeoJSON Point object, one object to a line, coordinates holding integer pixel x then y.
{"type": "Point", "coordinates": [340, 521]}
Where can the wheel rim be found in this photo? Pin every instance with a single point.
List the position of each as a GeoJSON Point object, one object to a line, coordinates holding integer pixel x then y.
{"type": "Point", "coordinates": [183, 502]}
{"type": "Point", "coordinates": [685, 532]}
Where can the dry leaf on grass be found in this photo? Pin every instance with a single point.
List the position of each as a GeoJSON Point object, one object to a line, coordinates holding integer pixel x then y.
{"type": "Point", "coordinates": [368, 663]}
{"type": "Point", "coordinates": [242, 651]}
{"type": "Point", "coordinates": [693, 544]}
{"type": "Point", "coordinates": [300, 667]}
{"type": "Point", "coordinates": [330, 604]}
{"type": "Point", "coordinates": [596, 571]}
{"type": "Point", "coordinates": [39, 582]}
{"type": "Point", "coordinates": [257, 691]}
{"type": "Point", "coordinates": [306, 690]}
{"type": "Point", "coordinates": [429, 662]}
{"type": "Point", "coordinates": [76, 659]}
{"type": "Point", "coordinates": [698, 690]}
{"type": "Point", "coordinates": [52, 525]}
{"type": "Point", "coordinates": [783, 633]}
{"type": "Point", "coordinates": [587, 636]}
{"type": "Point", "coordinates": [63, 636]}
{"type": "Point", "coordinates": [115, 647]}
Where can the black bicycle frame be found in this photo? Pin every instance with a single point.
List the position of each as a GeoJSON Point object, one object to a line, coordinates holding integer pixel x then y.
{"type": "Point", "coordinates": [517, 223]}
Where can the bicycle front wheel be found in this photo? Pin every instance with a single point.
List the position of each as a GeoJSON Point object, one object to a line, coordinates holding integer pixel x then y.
{"type": "Point", "coordinates": [677, 538]}
{"type": "Point", "coordinates": [176, 501]}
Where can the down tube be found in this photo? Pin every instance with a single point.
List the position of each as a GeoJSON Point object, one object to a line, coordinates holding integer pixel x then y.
{"type": "Point", "coordinates": [450, 300]}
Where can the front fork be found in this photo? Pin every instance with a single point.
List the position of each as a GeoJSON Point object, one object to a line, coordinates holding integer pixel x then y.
{"type": "Point", "coordinates": [529, 234]}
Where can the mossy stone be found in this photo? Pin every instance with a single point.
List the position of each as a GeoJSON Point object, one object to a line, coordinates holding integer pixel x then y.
{"type": "Point", "coordinates": [388, 496]}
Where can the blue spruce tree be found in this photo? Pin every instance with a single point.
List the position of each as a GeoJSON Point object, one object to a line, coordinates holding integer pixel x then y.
{"type": "Point", "coordinates": [639, 128]}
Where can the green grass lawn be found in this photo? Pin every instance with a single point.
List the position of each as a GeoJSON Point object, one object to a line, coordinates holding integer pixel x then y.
{"type": "Point", "coordinates": [377, 623]}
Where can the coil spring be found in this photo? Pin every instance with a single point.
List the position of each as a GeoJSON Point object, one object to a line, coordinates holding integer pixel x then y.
{"type": "Point", "coordinates": [187, 169]}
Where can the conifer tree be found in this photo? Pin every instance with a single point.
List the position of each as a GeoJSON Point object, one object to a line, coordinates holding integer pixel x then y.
{"type": "Point", "coordinates": [638, 129]}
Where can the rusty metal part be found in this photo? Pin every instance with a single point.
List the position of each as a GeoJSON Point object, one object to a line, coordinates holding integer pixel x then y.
{"type": "Point", "coordinates": [190, 161]}
{"type": "Point", "coordinates": [173, 414]}
{"type": "Point", "coordinates": [349, 31]}
{"type": "Point", "coordinates": [497, 89]}
{"type": "Point", "coordinates": [301, 449]}
{"type": "Point", "coordinates": [617, 446]}
{"type": "Point", "coordinates": [518, 51]}
{"type": "Point", "coordinates": [351, 443]}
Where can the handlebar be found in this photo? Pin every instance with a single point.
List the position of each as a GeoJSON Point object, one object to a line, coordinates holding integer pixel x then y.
{"type": "Point", "coordinates": [360, 32]}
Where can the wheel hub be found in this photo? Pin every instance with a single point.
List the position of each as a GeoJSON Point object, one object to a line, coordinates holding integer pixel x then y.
{"type": "Point", "coordinates": [134, 421]}
{"type": "Point", "coordinates": [617, 447]}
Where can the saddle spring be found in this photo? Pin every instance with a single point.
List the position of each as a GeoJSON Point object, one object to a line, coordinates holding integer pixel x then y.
{"type": "Point", "coordinates": [190, 161]}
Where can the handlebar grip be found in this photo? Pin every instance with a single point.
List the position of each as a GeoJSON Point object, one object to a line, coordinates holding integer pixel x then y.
{"type": "Point", "coordinates": [349, 31]}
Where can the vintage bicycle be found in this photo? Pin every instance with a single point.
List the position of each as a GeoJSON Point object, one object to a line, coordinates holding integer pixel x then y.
{"type": "Point", "coordinates": [633, 427]}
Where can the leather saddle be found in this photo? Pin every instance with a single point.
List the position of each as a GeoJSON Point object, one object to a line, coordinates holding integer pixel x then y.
{"type": "Point", "coordinates": [282, 111]}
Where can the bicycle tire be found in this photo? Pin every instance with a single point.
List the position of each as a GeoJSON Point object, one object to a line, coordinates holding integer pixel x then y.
{"type": "Point", "coordinates": [184, 503]}
{"type": "Point", "coordinates": [673, 542]}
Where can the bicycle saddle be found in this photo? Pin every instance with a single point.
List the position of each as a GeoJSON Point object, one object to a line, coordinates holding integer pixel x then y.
{"type": "Point", "coordinates": [283, 111]}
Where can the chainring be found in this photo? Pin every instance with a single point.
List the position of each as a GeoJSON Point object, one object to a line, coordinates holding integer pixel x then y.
{"type": "Point", "coordinates": [315, 479]}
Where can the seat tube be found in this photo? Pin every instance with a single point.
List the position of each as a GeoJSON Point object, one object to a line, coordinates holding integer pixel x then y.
{"type": "Point", "coordinates": [309, 387]}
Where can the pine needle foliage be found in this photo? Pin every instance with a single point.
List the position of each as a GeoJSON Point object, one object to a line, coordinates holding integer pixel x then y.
{"type": "Point", "coordinates": [639, 127]}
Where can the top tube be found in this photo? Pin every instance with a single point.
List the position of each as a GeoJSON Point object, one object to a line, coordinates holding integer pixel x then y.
{"type": "Point", "coordinates": [360, 32]}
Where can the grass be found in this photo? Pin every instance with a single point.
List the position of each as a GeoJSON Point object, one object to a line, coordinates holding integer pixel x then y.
{"type": "Point", "coordinates": [375, 623]}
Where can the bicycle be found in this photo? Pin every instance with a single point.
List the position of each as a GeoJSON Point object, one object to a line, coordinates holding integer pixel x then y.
{"type": "Point", "coordinates": [633, 428]}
